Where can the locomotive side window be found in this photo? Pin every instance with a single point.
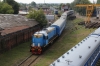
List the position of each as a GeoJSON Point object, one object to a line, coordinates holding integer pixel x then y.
{"type": "Point", "coordinates": [89, 63]}
{"type": "Point", "coordinates": [93, 55]}
{"type": "Point", "coordinates": [92, 58]}
{"type": "Point", "coordinates": [96, 51]}
{"type": "Point", "coordinates": [99, 48]}
{"type": "Point", "coordinates": [86, 65]}
{"type": "Point", "coordinates": [45, 37]}
{"type": "Point", "coordinates": [37, 35]}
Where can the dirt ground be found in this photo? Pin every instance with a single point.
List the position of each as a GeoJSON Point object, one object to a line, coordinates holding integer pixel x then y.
{"type": "Point", "coordinates": [93, 19]}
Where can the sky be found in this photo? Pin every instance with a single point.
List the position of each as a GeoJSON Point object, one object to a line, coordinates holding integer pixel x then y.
{"type": "Point", "coordinates": [47, 1]}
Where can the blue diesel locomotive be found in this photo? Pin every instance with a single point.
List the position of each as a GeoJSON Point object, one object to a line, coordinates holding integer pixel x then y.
{"type": "Point", "coordinates": [43, 38]}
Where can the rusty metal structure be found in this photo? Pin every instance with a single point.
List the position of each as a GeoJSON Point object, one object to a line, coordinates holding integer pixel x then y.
{"type": "Point", "coordinates": [89, 11]}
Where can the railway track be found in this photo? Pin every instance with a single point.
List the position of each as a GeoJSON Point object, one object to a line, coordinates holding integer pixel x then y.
{"type": "Point", "coordinates": [29, 60]}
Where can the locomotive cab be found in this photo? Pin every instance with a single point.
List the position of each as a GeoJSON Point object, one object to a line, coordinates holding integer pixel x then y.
{"type": "Point", "coordinates": [39, 40]}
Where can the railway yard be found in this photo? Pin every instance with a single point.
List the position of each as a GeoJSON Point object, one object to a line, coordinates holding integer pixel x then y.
{"type": "Point", "coordinates": [50, 33]}
{"type": "Point", "coordinates": [20, 55]}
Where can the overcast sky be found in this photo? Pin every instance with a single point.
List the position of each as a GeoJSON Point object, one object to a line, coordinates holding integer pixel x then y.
{"type": "Point", "coordinates": [47, 1]}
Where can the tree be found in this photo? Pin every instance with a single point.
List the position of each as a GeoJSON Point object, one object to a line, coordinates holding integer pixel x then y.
{"type": "Point", "coordinates": [14, 5]}
{"type": "Point", "coordinates": [33, 4]}
{"type": "Point", "coordinates": [81, 10]}
{"type": "Point", "coordinates": [98, 1]}
{"type": "Point", "coordinates": [60, 6]}
{"type": "Point", "coordinates": [38, 16]}
{"type": "Point", "coordinates": [68, 4]}
{"type": "Point", "coordinates": [6, 8]}
{"type": "Point", "coordinates": [23, 6]}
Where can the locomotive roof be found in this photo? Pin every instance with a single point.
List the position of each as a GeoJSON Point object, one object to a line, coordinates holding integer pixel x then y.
{"type": "Point", "coordinates": [49, 29]}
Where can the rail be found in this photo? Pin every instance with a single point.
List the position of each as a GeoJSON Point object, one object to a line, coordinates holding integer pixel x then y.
{"type": "Point", "coordinates": [29, 60]}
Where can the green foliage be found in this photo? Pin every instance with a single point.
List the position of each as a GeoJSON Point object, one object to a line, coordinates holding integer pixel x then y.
{"type": "Point", "coordinates": [68, 4]}
{"type": "Point", "coordinates": [6, 8]}
{"type": "Point", "coordinates": [98, 1]}
{"type": "Point", "coordinates": [15, 55]}
{"type": "Point", "coordinates": [23, 6]}
{"type": "Point", "coordinates": [80, 10]}
{"type": "Point", "coordinates": [38, 16]}
{"type": "Point", "coordinates": [60, 6]}
{"type": "Point", "coordinates": [33, 4]}
{"type": "Point", "coordinates": [14, 5]}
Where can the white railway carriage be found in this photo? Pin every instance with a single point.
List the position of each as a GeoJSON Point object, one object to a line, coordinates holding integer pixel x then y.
{"type": "Point", "coordinates": [60, 23]}
{"type": "Point", "coordinates": [64, 15]}
{"type": "Point", "coordinates": [85, 53]}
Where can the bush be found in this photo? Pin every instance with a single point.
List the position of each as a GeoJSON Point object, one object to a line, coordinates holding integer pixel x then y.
{"type": "Point", "coordinates": [38, 16]}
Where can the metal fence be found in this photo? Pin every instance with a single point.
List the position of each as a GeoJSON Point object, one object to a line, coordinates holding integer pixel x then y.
{"type": "Point", "coordinates": [8, 41]}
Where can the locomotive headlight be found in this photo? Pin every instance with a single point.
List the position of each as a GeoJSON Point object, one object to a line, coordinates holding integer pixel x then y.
{"type": "Point", "coordinates": [33, 45]}
{"type": "Point", "coordinates": [38, 44]}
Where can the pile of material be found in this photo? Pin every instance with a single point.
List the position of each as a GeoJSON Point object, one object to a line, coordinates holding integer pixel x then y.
{"type": "Point", "coordinates": [91, 25]}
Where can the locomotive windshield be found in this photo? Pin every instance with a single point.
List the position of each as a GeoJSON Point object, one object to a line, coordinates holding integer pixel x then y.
{"type": "Point", "coordinates": [37, 35]}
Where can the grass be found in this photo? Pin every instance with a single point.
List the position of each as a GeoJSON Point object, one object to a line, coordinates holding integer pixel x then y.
{"type": "Point", "coordinates": [14, 56]}
{"type": "Point", "coordinates": [69, 38]}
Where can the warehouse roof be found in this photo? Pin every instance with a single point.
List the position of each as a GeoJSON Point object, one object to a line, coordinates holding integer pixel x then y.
{"type": "Point", "coordinates": [12, 22]}
{"type": "Point", "coordinates": [11, 30]}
